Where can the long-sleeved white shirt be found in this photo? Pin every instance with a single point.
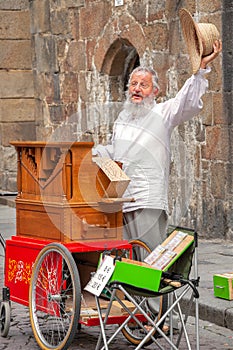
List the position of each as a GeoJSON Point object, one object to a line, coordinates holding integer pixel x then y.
{"type": "Point", "coordinates": [143, 144]}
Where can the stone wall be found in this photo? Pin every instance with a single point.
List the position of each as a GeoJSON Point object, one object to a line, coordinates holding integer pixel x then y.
{"type": "Point", "coordinates": [82, 53]}
{"type": "Point", "coordinates": [16, 86]}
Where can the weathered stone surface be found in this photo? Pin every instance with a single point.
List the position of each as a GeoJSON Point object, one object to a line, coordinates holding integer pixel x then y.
{"type": "Point", "coordinates": [74, 23]}
{"type": "Point", "coordinates": [218, 180]}
{"type": "Point", "coordinates": [207, 114]}
{"type": "Point", "coordinates": [89, 53]}
{"type": "Point", "coordinates": [219, 117]}
{"type": "Point", "coordinates": [75, 60]}
{"type": "Point", "coordinates": [158, 35]}
{"type": "Point", "coordinates": [210, 6]}
{"type": "Point", "coordinates": [57, 113]}
{"type": "Point", "coordinates": [46, 54]}
{"type": "Point", "coordinates": [16, 84]}
{"type": "Point", "coordinates": [40, 16]}
{"type": "Point", "coordinates": [60, 22]}
{"type": "Point", "coordinates": [13, 5]}
{"type": "Point", "coordinates": [17, 110]}
{"type": "Point", "coordinates": [73, 3]}
{"type": "Point", "coordinates": [15, 54]}
{"type": "Point", "coordinates": [11, 184]}
{"type": "Point", "coordinates": [217, 144]}
{"type": "Point", "coordinates": [94, 18]}
{"type": "Point", "coordinates": [161, 65]}
{"type": "Point", "coordinates": [50, 88]}
{"type": "Point", "coordinates": [10, 161]}
{"type": "Point", "coordinates": [172, 11]}
{"type": "Point", "coordinates": [215, 79]}
{"type": "Point", "coordinates": [16, 131]}
{"type": "Point", "coordinates": [14, 25]}
{"type": "Point", "coordinates": [70, 87]}
{"type": "Point", "coordinates": [138, 10]}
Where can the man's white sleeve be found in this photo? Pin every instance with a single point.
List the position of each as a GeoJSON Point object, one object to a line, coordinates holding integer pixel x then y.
{"type": "Point", "coordinates": [188, 102]}
{"type": "Point", "coordinates": [103, 151]}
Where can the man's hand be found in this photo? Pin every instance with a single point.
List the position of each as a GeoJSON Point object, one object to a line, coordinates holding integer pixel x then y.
{"type": "Point", "coordinates": [217, 46]}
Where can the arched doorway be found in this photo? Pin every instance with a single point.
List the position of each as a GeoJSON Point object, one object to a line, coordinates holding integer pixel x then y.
{"type": "Point", "coordinates": [120, 58]}
{"type": "Point", "coordinates": [119, 61]}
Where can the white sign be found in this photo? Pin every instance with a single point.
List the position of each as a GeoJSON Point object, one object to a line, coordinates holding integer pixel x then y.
{"type": "Point", "coordinates": [101, 277]}
{"type": "Point", "coordinates": [119, 2]}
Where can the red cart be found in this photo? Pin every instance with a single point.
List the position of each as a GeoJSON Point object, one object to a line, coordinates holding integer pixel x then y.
{"type": "Point", "coordinates": [48, 277]}
{"type": "Point", "coordinates": [68, 212]}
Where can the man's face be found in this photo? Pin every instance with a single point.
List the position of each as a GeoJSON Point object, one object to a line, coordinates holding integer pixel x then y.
{"type": "Point", "coordinates": [140, 86]}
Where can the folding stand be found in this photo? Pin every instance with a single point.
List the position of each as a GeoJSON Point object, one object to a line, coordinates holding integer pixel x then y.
{"type": "Point", "coordinates": [174, 283]}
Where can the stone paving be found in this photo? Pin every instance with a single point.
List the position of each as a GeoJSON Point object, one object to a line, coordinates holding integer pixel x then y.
{"type": "Point", "coordinates": [20, 336]}
{"type": "Point", "coordinates": [212, 336]}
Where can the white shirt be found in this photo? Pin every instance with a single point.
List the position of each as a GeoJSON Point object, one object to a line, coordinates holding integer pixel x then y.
{"type": "Point", "coordinates": [143, 144]}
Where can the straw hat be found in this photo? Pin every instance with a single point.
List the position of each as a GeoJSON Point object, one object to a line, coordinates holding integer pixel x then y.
{"type": "Point", "coordinates": [199, 38]}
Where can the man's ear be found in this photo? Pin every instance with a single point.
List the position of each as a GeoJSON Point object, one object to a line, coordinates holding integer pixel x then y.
{"type": "Point", "coordinates": [156, 91]}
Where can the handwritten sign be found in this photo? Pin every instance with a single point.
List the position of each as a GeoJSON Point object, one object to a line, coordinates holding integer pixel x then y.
{"type": "Point", "coordinates": [101, 277]}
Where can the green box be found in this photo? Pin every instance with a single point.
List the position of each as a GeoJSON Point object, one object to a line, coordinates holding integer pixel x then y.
{"type": "Point", "coordinates": [136, 274]}
{"type": "Point", "coordinates": [223, 286]}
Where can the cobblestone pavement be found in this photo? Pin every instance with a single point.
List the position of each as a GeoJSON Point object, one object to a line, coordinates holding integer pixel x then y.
{"type": "Point", "coordinates": [20, 336]}
{"type": "Point", "coordinates": [212, 337]}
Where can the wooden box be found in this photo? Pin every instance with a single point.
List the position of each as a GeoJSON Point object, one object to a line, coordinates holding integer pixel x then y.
{"type": "Point", "coordinates": [117, 179]}
{"type": "Point", "coordinates": [60, 190]}
{"type": "Point", "coordinates": [223, 285]}
{"type": "Point", "coordinates": [146, 274]}
{"type": "Point", "coordinates": [169, 251]}
{"type": "Point", "coordinates": [137, 274]}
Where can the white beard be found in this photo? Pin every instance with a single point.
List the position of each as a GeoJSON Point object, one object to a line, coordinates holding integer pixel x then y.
{"type": "Point", "coordinates": [139, 110]}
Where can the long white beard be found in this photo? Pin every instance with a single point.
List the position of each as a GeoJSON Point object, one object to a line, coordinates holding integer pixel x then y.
{"type": "Point", "coordinates": [138, 110]}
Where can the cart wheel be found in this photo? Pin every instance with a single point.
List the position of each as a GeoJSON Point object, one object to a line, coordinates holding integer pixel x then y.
{"type": "Point", "coordinates": [54, 298]}
{"type": "Point", "coordinates": [132, 332]}
{"type": "Point", "coordinates": [5, 314]}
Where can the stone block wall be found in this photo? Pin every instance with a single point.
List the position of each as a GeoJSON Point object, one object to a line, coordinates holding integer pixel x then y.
{"type": "Point", "coordinates": [17, 103]}
{"type": "Point", "coordinates": [82, 53]}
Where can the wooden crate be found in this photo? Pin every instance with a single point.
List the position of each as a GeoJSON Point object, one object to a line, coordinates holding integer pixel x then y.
{"type": "Point", "coordinates": [60, 191]}
{"type": "Point", "coordinates": [223, 285]}
{"type": "Point", "coordinates": [117, 179]}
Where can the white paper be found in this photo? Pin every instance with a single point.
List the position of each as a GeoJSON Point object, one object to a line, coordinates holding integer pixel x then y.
{"type": "Point", "coordinates": [101, 277]}
{"type": "Point", "coordinates": [164, 260]}
{"type": "Point", "coordinates": [119, 2]}
{"type": "Point", "coordinates": [176, 240]}
{"type": "Point", "coordinates": [154, 255]}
